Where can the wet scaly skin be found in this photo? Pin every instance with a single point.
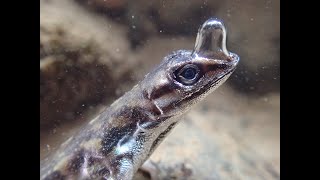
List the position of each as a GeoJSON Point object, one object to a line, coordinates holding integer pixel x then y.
{"type": "Point", "coordinates": [119, 140]}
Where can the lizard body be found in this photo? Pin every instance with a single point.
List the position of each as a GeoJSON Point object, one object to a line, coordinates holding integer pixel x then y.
{"type": "Point", "coordinates": [119, 140]}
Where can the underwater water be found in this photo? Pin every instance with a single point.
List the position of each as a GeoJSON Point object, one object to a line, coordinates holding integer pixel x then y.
{"type": "Point", "coordinates": [93, 51]}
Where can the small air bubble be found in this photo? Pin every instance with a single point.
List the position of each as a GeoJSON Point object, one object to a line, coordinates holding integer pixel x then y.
{"type": "Point", "coordinates": [160, 31]}
{"type": "Point", "coordinates": [251, 19]}
{"type": "Point", "coordinates": [117, 50]}
{"type": "Point", "coordinates": [132, 17]}
{"type": "Point", "coordinates": [134, 27]}
{"type": "Point", "coordinates": [48, 147]}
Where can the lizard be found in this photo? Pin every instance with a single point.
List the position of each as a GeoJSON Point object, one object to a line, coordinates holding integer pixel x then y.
{"type": "Point", "coordinates": [116, 143]}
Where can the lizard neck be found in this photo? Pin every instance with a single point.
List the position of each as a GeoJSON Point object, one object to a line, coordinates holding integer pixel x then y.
{"type": "Point", "coordinates": [125, 134]}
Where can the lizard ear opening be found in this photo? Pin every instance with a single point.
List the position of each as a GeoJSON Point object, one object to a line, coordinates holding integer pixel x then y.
{"type": "Point", "coordinates": [211, 40]}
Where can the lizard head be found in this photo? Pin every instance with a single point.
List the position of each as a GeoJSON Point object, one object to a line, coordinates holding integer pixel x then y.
{"type": "Point", "coordinates": [185, 77]}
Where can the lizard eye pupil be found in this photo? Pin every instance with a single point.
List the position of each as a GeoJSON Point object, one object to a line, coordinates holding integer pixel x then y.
{"type": "Point", "coordinates": [188, 75]}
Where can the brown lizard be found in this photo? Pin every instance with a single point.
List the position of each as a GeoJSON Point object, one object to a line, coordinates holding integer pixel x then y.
{"type": "Point", "coordinates": [118, 141]}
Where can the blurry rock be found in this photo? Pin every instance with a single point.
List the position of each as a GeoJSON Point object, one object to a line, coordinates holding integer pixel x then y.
{"type": "Point", "coordinates": [148, 18]}
{"type": "Point", "coordinates": [110, 4]}
{"type": "Point", "coordinates": [254, 33]}
{"type": "Point", "coordinates": [141, 21]}
{"type": "Point", "coordinates": [185, 17]}
{"type": "Point", "coordinates": [112, 8]}
{"type": "Point", "coordinates": [258, 81]}
{"type": "Point", "coordinates": [82, 55]}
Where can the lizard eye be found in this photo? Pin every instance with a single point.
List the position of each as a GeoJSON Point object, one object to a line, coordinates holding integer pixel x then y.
{"type": "Point", "coordinates": [188, 75]}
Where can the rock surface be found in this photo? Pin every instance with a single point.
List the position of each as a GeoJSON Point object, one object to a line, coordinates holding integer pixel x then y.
{"type": "Point", "coordinates": [77, 52]}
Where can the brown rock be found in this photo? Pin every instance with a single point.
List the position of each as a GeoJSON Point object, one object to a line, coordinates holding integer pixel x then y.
{"type": "Point", "coordinates": [77, 52]}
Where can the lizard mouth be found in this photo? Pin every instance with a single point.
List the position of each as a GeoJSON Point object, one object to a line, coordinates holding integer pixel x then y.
{"type": "Point", "coordinates": [220, 78]}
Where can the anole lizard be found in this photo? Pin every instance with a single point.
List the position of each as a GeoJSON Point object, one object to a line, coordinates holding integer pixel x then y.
{"type": "Point", "coordinates": [119, 140]}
